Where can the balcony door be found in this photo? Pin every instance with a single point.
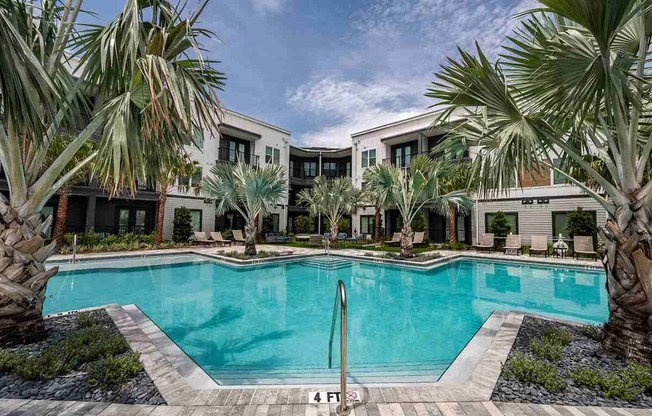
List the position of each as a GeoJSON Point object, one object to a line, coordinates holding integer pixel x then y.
{"type": "Point", "coordinates": [402, 154]}
{"type": "Point", "coordinates": [236, 150]}
{"type": "Point", "coordinates": [133, 220]}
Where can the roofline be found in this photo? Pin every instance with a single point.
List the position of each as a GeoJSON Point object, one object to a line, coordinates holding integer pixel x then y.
{"type": "Point", "coordinates": [255, 120]}
{"type": "Point", "coordinates": [395, 123]}
{"type": "Point", "coordinates": [325, 150]}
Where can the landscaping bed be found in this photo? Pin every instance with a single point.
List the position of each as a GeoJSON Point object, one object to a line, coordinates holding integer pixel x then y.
{"type": "Point", "coordinates": [83, 357]}
{"type": "Point", "coordinates": [556, 363]}
{"type": "Point", "coordinates": [417, 258]}
{"type": "Point", "coordinates": [242, 256]}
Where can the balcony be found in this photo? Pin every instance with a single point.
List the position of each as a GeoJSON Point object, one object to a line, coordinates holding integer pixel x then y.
{"type": "Point", "coordinates": [300, 173]}
{"type": "Point", "coordinates": [227, 155]}
{"type": "Point", "coordinates": [404, 162]}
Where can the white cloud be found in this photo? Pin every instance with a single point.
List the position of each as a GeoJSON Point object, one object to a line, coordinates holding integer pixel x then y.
{"type": "Point", "coordinates": [269, 6]}
{"type": "Point", "coordinates": [398, 44]}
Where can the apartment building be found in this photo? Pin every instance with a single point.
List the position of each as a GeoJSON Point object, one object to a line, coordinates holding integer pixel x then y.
{"type": "Point", "coordinates": [240, 138]}
{"type": "Point", "coordinates": [305, 164]}
{"type": "Point", "coordinates": [538, 203]}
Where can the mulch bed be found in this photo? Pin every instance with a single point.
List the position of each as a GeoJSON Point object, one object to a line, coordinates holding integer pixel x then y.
{"type": "Point", "coordinates": [74, 385]}
{"type": "Point", "coordinates": [583, 351]}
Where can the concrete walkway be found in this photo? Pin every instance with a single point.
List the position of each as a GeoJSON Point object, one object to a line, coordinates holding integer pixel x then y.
{"type": "Point", "coordinates": [486, 408]}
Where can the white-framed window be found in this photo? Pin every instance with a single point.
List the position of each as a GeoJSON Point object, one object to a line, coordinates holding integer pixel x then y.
{"type": "Point", "coordinates": [368, 158]}
{"type": "Point", "coordinates": [272, 155]}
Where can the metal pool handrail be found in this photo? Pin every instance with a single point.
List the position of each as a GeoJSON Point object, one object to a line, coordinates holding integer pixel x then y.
{"type": "Point", "coordinates": [340, 298]}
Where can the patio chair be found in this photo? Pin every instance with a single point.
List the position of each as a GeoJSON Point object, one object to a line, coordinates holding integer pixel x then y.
{"type": "Point", "coordinates": [218, 239]}
{"type": "Point", "coordinates": [486, 242]}
{"type": "Point", "coordinates": [395, 241]}
{"type": "Point", "coordinates": [315, 240]}
{"type": "Point", "coordinates": [513, 243]}
{"type": "Point", "coordinates": [539, 244]}
{"type": "Point", "coordinates": [341, 236]}
{"type": "Point", "coordinates": [417, 239]}
{"type": "Point", "coordinates": [238, 237]}
{"type": "Point", "coordinates": [202, 239]}
{"type": "Point", "coordinates": [583, 246]}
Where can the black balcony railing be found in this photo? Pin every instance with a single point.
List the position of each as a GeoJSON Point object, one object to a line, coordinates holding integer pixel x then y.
{"type": "Point", "coordinates": [225, 154]}
{"type": "Point", "coordinates": [110, 229]}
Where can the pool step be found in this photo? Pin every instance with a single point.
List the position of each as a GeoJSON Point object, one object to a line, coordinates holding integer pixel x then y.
{"type": "Point", "coordinates": [376, 374]}
{"type": "Point", "coordinates": [332, 263]}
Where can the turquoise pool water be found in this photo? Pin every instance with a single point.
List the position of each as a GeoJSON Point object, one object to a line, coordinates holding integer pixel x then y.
{"type": "Point", "coordinates": [270, 324]}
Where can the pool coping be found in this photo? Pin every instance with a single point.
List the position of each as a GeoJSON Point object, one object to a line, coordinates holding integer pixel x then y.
{"type": "Point", "coordinates": [472, 376]}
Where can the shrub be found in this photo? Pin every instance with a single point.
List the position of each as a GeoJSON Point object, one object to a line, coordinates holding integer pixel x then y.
{"type": "Point", "coordinates": [92, 343]}
{"type": "Point", "coordinates": [268, 225]}
{"type": "Point", "coordinates": [557, 336]}
{"type": "Point", "coordinates": [581, 222]}
{"type": "Point", "coordinates": [49, 364]}
{"type": "Point", "coordinates": [499, 225]}
{"type": "Point", "coordinates": [115, 370]}
{"type": "Point", "coordinates": [546, 350]}
{"type": "Point", "coordinates": [9, 360]}
{"type": "Point", "coordinates": [419, 222]}
{"type": "Point", "coordinates": [343, 225]}
{"type": "Point", "coordinates": [302, 224]}
{"type": "Point", "coordinates": [86, 319]}
{"type": "Point", "coordinates": [531, 370]}
{"type": "Point", "coordinates": [624, 384]}
{"type": "Point", "coordinates": [587, 377]}
{"type": "Point", "coordinates": [182, 228]}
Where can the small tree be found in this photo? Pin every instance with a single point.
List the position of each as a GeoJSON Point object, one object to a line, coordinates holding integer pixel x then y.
{"type": "Point", "coordinates": [499, 225]}
{"type": "Point", "coordinates": [332, 198]}
{"type": "Point", "coordinates": [268, 225]}
{"type": "Point", "coordinates": [182, 225]}
{"type": "Point", "coordinates": [302, 224]}
{"type": "Point", "coordinates": [581, 222]}
{"type": "Point", "coordinates": [343, 224]}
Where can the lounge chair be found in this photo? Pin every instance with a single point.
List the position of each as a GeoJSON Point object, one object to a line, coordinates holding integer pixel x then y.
{"type": "Point", "coordinates": [276, 238]}
{"type": "Point", "coordinates": [513, 243]}
{"type": "Point", "coordinates": [315, 240]}
{"type": "Point", "coordinates": [539, 244]}
{"type": "Point", "coordinates": [395, 241]}
{"type": "Point", "coordinates": [238, 237]}
{"type": "Point", "coordinates": [583, 246]}
{"type": "Point", "coordinates": [486, 242]}
{"type": "Point", "coordinates": [218, 239]}
{"type": "Point", "coordinates": [202, 239]}
{"type": "Point", "coordinates": [417, 239]}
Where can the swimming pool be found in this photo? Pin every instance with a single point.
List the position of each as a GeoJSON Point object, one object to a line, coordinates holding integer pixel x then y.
{"type": "Point", "coordinates": [271, 323]}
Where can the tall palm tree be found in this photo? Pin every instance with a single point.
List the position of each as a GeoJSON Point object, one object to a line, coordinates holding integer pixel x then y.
{"type": "Point", "coordinates": [165, 174]}
{"type": "Point", "coordinates": [458, 179]}
{"type": "Point", "coordinates": [332, 198]}
{"type": "Point", "coordinates": [573, 85]}
{"type": "Point", "coordinates": [59, 143]}
{"type": "Point", "coordinates": [151, 90]}
{"type": "Point", "coordinates": [410, 190]}
{"type": "Point", "coordinates": [247, 189]}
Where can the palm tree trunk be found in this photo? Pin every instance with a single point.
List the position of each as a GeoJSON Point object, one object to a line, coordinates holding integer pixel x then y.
{"type": "Point", "coordinates": [250, 238]}
{"type": "Point", "coordinates": [452, 225]}
{"type": "Point", "coordinates": [334, 231]}
{"type": "Point", "coordinates": [22, 273]}
{"type": "Point", "coordinates": [60, 221]}
{"type": "Point", "coordinates": [160, 217]}
{"type": "Point", "coordinates": [406, 241]}
{"type": "Point", "coordinates": [378, 224]}
{"type": "Point", "coordinates": [628, 264]}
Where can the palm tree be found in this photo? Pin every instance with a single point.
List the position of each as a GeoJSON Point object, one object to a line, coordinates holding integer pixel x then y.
{"type": "Point", "coordinates": [247, 189]}
{"type": "Point", "coordinates": [410, 190]}
{"type": "Point", "coordinates": [165, 174]}
{"type": "Point", "coordinates": [573, 86]}
{"type": "Point", "coordinates": [458, 179]}
{"type": "Point", "coordinates": [378, 202]}
{"type": "Point", "coordinates": [151, 91]}
{"type": "Point", "coordinates": [59, 143]}
{"type": "Point", "coordinates": [332, 198]}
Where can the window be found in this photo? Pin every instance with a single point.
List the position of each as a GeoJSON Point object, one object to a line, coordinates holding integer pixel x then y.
{"type": "Point", "coordinates": [310, 169]}
{"type": "Point", "coordinates": [367, 224]}
{"type": "Point", "coordinates": [512, 220]}
{"type": "Point", "coordinates": [368, 158]}
{"type": "Point", "coordinates": [196, 219]}
{"type": "Point", "coordinates": [403, 156]}
{"type": "Point", "coordinates": [292, 173]}
{"type": "Point", "coordinates": [348, 169]}
{"type": "Point", "coordinates": [329, 169]}
{"type": "Point", "coordinates": [275, 222]}
{"type": "Point", "coordinates": [195, 179]}
{"type": "Point", "coordinates": [559, 222]}
{"type": "Point", "coordinates": [272, 156]}
{"type": "Point", "coordinates": [557, 178]}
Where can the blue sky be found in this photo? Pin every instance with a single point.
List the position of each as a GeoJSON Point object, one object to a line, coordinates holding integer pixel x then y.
{"type": "Point", "coordinates": [324, 69]}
